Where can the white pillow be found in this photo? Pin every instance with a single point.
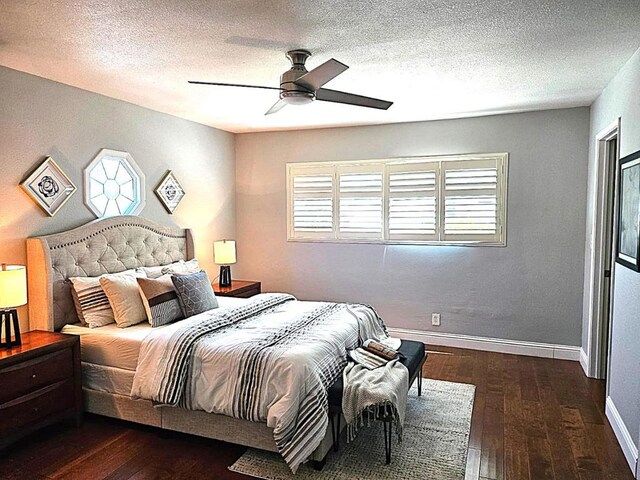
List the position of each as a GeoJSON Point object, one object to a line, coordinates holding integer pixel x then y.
{"type": "Point", "coordinates": [91, 302]}
{"type": "Point", "coordinates": [181, 266]}
{"type": "Point", "coordinates": [124, 298]}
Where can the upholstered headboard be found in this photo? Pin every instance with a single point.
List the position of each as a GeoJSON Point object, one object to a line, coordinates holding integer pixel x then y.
{"type": "Point", "coordinates": [108, 245]}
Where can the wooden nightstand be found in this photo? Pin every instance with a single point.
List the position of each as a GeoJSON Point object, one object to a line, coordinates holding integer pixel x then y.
{"type": "Point", "coordinates": [238, 288]}
{"type": "Point", "coordinates": [41, 384]}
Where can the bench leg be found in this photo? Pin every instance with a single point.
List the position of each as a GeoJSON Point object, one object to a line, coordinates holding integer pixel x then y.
{"type": "Point", "coordinates": [335, 431]}
{"type": "Point", "coordinates": [420, 384]}
{"type": "Point", "coordinates": [319, 464]}
{"type": "Point", "coordinates": [388, 427]}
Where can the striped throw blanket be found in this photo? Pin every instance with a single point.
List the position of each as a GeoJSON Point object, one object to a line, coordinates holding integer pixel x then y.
{"type": "Point", "coordinates": [270, 360]}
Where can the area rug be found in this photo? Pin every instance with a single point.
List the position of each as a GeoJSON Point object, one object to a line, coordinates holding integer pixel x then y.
{"type": "Point", "coordinates": [434, 445]}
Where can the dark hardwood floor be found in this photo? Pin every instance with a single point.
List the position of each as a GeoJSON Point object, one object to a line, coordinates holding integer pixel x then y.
{"type": "Point", "coordinates": [533, 418]}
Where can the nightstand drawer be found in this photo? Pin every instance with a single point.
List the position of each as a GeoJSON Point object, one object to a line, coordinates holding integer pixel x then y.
{"type": "Point", "coordinates": [25, 377]}
{"type": "Point", "coordinates": [36, 406]}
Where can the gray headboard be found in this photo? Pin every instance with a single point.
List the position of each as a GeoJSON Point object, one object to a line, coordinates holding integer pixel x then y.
{"type": "Point", "coordinates": [108, 245]}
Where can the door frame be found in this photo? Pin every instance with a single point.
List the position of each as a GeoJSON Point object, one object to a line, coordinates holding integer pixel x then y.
{"type": "Point", "coordinates": [596, 317]}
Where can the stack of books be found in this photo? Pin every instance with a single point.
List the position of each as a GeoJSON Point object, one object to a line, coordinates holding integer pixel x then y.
{"type": "Point", "coordinates": [373, 354]}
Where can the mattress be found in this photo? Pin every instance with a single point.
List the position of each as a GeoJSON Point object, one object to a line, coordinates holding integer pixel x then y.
{"type": "Point", "coordinates": [111, 346]}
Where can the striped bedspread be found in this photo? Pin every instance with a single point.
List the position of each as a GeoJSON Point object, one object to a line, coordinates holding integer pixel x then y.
{"type": "Point", "coordinates": [270, 360]}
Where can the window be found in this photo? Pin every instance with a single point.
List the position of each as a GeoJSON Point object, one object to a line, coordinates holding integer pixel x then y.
{"type": "Point", "coordinates": [113, 185]}
{"type": "Point", "coordinates": [458, 199]}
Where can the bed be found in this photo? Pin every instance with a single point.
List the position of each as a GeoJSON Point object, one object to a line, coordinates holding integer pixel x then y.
{"type": "Point", "coordinates": [109, 246]}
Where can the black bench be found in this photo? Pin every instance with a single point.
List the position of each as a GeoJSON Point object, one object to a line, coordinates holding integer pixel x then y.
{"type": "Point", "coordinates": [414, 358]}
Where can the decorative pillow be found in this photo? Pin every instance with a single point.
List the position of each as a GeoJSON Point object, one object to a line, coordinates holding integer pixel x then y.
{"type": "Point", "coordinates": [194, 293]}
{"type": "Point", "coordinates": [124, 298]}
{"type": "Point", "coordinates": [160, 300]}
{"type": "Point", "coordinates": [76, 300]}
{"type": "Point", "coordinates": [190, 266]}
{"type": "Point", "coordinates": [91, 302]}
{"type": "Point", "coordinates": [181, 266]}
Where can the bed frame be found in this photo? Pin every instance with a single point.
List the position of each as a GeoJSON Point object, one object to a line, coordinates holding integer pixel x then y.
{"type": "Point", "coordinates": [109, 246]}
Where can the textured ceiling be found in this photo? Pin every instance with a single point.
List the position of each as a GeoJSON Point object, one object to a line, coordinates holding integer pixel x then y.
{"type": "Point", "coordinates": [434, 59]}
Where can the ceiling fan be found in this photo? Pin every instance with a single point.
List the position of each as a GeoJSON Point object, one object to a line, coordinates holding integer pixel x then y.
{"type": "Point", "coordinates": [298, 86]}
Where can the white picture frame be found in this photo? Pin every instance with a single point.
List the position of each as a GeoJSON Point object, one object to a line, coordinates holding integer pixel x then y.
{"type": "Point", "coordinates": [49, 186]}
{"type": "Point", "coordinates": [170, 192]}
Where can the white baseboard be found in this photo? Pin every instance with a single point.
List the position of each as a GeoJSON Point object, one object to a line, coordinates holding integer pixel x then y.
{"type": "Point", "coordinates": [516, 347]}
{"type": "Point", "coordinates": [584, 362]}
{"type": "Point", "coordinates": [622, 434]}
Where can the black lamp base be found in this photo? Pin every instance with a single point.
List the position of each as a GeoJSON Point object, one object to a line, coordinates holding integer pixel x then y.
{"type": "Point", "coordinates": [225, 276]}
{"type": "Point", "coordinates": [9, 317]}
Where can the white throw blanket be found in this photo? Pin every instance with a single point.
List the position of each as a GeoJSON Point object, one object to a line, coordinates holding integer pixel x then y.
{"type": "Point", "coordinates": [369, 393]}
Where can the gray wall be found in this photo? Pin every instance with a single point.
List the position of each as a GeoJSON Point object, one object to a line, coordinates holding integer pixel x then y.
{"type": "Point", "coordinates": [621, 98]}
{"type": "Point", "coordinates": [39, 117]}
{"type": "Point", "coordinates": [530, 290]}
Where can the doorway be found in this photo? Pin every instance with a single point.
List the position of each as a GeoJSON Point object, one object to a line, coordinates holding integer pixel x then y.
{"type": "Point", "coordinates": [603, 251]}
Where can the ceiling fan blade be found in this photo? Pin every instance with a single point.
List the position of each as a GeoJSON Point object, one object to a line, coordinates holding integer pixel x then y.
{"type": "Point", "coordinates": [232, 85]}
{"type": "Point", "coordinates": [327, 95]}
{"type": "Point", "coordinates": [317, 77]}
{"type": "Point", "coordinates": [279, 105]}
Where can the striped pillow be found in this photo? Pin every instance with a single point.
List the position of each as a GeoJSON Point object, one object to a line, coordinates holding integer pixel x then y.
{"type": "Point", "coordinates": [160, 300]}
{"type": "Point", "coordinates": [92, 304]}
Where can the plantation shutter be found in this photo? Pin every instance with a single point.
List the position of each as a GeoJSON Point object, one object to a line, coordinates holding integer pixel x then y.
{"type": "Point", "coordinates": [360, 201]}
{"type": "Point", "coordinates": [472, 209]}
{"type": "Point", "coordinates": [311, 202]}
{"type": "Point", "coordinates": [453, 199]}
{"type": "Point", "coordinates": [412, 201]}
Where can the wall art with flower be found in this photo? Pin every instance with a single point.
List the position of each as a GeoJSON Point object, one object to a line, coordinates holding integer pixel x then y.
{"type": "Point", "coordinates": [48, 186]}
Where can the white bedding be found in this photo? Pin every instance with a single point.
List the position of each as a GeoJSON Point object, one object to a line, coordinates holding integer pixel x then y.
{"type": "Point", "coordinates": [107, 379]}
{"type": "Point", "coordinates": [117, 347]}
{"type": "Point", "coordinates": [110, 345]}
{"type": "Point", "coordinates": [272, 367]}
{"type": "Point", "coordinates": [268, 361]}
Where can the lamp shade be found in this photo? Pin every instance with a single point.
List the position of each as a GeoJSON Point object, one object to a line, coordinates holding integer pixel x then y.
{"type": "Point", "coordinates": [224, 252]}
{"type": "Point", "coordinates": [13, 286]}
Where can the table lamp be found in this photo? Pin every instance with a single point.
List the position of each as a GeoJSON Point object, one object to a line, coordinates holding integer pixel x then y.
{"type": "Point", "coordinates": [224, 254]}
{"type": "Point", "coordinates": [13, 293]}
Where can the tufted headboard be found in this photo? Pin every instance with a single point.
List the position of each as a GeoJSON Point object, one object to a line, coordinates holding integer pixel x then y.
{"type": "Point", "coordinates": [108, 245]}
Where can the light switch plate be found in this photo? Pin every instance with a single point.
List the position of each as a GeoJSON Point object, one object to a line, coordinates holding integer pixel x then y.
{"type": "Point", "coordinates": [435, 319]}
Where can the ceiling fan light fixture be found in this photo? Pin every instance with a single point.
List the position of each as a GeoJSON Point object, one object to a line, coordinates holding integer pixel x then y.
{"type": "Point", "coordinates": [297, 98]}
{"type": "Point", "coordinates": [300, 87]}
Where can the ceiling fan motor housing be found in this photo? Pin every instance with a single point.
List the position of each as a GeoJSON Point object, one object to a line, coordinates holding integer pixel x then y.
{"type": "Point", "coordinates": [294, 94]}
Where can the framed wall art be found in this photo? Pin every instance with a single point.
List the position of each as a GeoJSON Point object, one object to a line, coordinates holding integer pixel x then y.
{"type": "Point", "coordinates": [49, 187]}
{"type": "Point", "coordinates": [170, 192]}
{"type": "Point", "coordinates": [628, 242]}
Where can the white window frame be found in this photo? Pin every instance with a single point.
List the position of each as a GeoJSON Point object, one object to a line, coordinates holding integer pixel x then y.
{"type": "Point", "coordinates": [440, 163]}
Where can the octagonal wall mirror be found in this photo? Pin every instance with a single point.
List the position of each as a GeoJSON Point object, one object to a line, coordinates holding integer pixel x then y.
{"type": "Point", "coordinates": [113, 185]}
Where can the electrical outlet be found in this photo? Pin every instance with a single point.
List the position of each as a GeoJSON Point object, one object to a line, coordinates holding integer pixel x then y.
{"type": "Point", "coordinates": [435, 319]}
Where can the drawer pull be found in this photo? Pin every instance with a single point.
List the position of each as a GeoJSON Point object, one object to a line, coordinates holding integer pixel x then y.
{"type": "Point", "coordinates": [33, 376]}
{"type": "Point", "coordinates": [35, 409]}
